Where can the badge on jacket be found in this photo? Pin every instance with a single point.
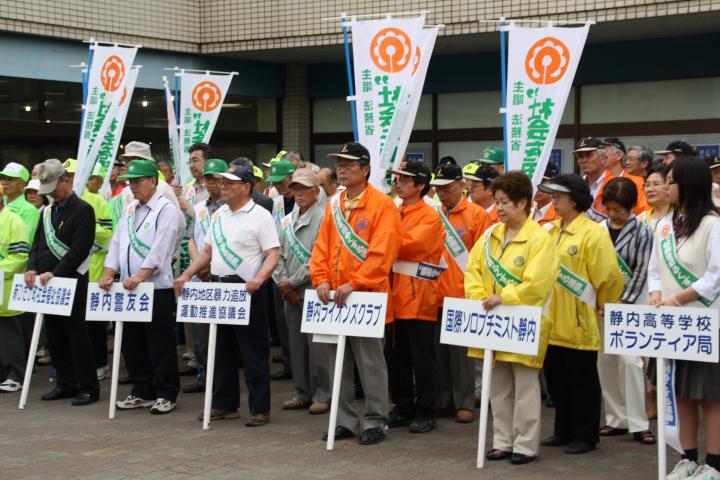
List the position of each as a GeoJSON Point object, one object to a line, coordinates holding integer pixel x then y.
{"type": "Point", "coordinates": [519, 261]}
{"type": "Point", "coordinates": [572, 250]}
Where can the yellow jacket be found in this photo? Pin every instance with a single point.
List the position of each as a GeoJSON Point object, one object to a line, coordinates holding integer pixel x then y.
{"type": "Point", "coordinates": [585, 248]}
{"type": "Point", "coordinates": [531, 257]}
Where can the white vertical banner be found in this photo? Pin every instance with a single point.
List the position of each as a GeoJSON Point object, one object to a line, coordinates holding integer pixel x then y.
{"type": "Point", "coordinates": [111, 141]}
{"type": "Point", "coordinates": [107, 79]}
{"type": "Point", "coordinates": [173, 136]}
{"type": "Point", "coordinates": [421, 60]}
{"type": "Point", "coordinates": [541, 67]}
{"type": "Point", "coordinates": [201, 99]}
{"type": "Point", "coordinates": [383, 54]}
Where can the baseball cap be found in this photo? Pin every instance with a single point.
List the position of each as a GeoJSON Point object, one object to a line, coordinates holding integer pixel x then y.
{"type": "Point", "coordinates": [492, 155]}
{"type": "Point", "coordinates": [239, 173]}
{"type": "Point", "coordinates": [70, 165]}
{"type": "Point", "coordinates": [138, 150]}
{"type": "Point", "coordinates": [15, 170]}
{"type": "Point", "coordinates": [588, 144]}
{"type": "Point", "coordinates": [49, 172]}
{"type": "Point", "coordinates": [98, 171]}
{"type": "Point", "coordinates": [305, 177]}
{"type": "Point", "coordinates": [140, 169]}
{"type": "Point", "coordinates": [257, 171]}
{"type": "Point", "coordinates": [277, 158]}
{"type": "Point", "coordinates": [713, 161]}
{"type": "Point", "coordinates": [678, 147]}
{"type": "Point", "coordinates": [413, 168]}
{"type": "Point", "coordinates": [615, 142]}
{"type": "Point", "coordinates": [214, 166]}
{"type": "Point", "coordinates": [482, 172]}
{"type": "Point", "coordinates": [352, 151]}
{"type": "Point", "coordinates": [551, 171]}
{"type": "Point", "coordinates": [446, 174]}
{"type": "Point", "coordinates": [280, 170]}
{"type": "Point", "coordinates": [33, 184]}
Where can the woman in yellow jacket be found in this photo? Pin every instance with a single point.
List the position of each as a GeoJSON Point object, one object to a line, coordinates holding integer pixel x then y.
{"type": "Point", "coordinates": [589, 278]}
{"type": "Point", "coordinates": [514, 264]}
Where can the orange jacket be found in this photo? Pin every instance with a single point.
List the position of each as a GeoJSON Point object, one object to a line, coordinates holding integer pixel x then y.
{"type": "Point", "coordinates": [470, 221]}
{"type": "Point", "coordinates": [550, 215]}
{"type": "Point", "coordinates": [494, 217]}
{"type": "Point", "coordinates": [423, 240]}
{"type": "Point", "coordinates": [377, 221]}
{"type": "Point", "coordinates": [642, 204]}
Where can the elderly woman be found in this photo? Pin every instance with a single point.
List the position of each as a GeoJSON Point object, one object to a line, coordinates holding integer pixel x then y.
{"type": "Point", "coordinates": [589, 278]}
{"type": "Point", "coordinates": [514, 264]}
{"type": "Point", "coordinates": [656, 192]}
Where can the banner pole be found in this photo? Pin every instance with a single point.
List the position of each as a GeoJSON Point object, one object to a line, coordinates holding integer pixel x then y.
{"type": "Point", "coordinates": [209, 374]}
{"type": "Point", "coordinates": [337, 378]}
{"type": "Point", "coordinates": [503, 88]}
{"type": "Point", "coordinates": [39, 317]}
{"type": "Point", "coordinates": [351, 89]}
{"type": "Point", "coordinates": [177, 100]}
{"type": "Point", "coordinates": [117, 347]}
{"type": "Point", "coordinates": [484, 404]}
{"type": "Point", "coordinates": [661, 393]}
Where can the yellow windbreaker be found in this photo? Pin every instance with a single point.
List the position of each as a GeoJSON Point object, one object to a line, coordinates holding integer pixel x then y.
{"type": "Point", "coordinates": [531, 257]}
{"type": "Point", "coordinates": [585, 248]}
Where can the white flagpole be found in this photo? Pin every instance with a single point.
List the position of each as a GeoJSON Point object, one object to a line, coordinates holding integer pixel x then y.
{"type": "Point", "coordinates": [484, 403]}
{"type": "Point", "coordinates": [209, 375]}
{"type": "Point", "coordinates": [337, 377]}
{"type": "Point", "coordinates": [662, 450]}
{"type": "Point", "coordinates": [39, 317]}
{"type": "Point", "coordinates": [117, 347]}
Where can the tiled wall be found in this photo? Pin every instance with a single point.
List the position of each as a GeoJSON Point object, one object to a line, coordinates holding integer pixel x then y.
{"type": "Point", "coordinates": [217, 26]}
{"type": "Point", "coordinates": [296, 110]}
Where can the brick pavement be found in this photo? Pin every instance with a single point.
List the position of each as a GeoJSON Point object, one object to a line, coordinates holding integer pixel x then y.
{"type": "Point", "coordinates": [52, 440]}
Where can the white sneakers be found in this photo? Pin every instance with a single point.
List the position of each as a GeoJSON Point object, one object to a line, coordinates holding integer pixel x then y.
{"type": "Point", "coordinates": [10, 385]}
{"type": "Point", "coordinates": [103, 372]}
{"type": "Point", "coordinates": [132, 402]}
{"type": "Point", "coordinates": [162, 406]}
{"type": "Point", "coordinates": [706, 472]}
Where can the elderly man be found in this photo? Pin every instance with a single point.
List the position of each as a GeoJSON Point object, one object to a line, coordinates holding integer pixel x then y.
{"type": "Point", "coordinates": [328, 181]}
{"type": "Point", "coordinates": [141, 251]}
{"type": "Point", "coordinates": [615, 153]}
{"type": "Point", "coordinates": [298, 233]}
{"type": "Point", "coordinates": [61, 248]}
{"type": "Point", "coordinates": [639, 160]}
{"type": "Point", "coordinates": [240, 248]}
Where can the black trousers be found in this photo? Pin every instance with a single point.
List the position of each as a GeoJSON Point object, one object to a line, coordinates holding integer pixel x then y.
{"type": "Point", "coordinates": [249, 344]}
{"type": "Point", "coordinates": [97, 331]}
{"type": "Point", "coordinates": [70, 347]}
{"type": "Point", "coordinates": [412, 367]}
{"type": "Point", "coordinates": [150, 352]}
{"type": "Point", "coordinates": [574, 385]}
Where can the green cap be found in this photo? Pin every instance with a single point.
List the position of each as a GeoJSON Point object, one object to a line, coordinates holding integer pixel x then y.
{"type": "Point", "coordinates": [141, 168]}
{"type": "Point", "coordinates": [98, 171]}
{"type": "Point", "coordinates": [281, 170]}
{"type": "Point", "coordinates": [15, 170]}
{"type": "Point", "coordinates": [214, 166]}
{"type": "Point", "coordinates": [493, 155]}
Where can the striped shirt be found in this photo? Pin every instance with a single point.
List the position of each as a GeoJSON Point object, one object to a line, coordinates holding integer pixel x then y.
{"type": "Point", "coordinates": [634, 245]}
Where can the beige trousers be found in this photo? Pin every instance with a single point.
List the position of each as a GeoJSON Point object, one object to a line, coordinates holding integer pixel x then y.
{"type": "Point", "coordinates": [515, 401]}
{"type": "Point", "coordinates": [623, 391]}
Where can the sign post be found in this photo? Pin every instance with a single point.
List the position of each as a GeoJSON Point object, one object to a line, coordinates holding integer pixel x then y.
{"type": "Point", "coordinates": [118, 305]}
{"type": "Point", "coordinates": [507, 328]}
{"type": "Point", "coordinates": [213, 303]}
{"type": "Point", "coordinates": [55, 297]}
{"type": "Point", "coordinates": [667, 334]}
{"type": "Point", "coordinates": [362, 316]}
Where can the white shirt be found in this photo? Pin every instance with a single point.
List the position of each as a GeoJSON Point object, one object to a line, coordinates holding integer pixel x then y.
{"type": "Point", "coordinates": [249, 234]}
{"type": "Point", "coordinates": [595, 187]}
{"type": "Point", "coordinates": [539, 213]}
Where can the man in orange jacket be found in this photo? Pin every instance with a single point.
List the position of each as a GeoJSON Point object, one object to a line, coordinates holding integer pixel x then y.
{"type": "Point", "coordinates": [410, 349]}
{"type": "Point", "coordinates": [464, 223]}
{"type": "Point", "coordinates": [543, 211]}
{"type": "Point", "coordinates": [360, 259]}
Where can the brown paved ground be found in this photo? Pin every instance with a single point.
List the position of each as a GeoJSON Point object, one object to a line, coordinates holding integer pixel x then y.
{"type": "Point", "coordinates": [55, 440]}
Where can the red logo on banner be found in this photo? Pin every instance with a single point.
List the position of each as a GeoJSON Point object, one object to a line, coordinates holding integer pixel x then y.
{"type": "Point", "coordinates": [547, 61]}
{"type": "Point", "coordinates": [665, 231]}
{"type": "Point", "coordinates": [206, 96]}
{"type": "Point", "coordinates": [122, 99]}
{"type": "Point", "coordinates": [112, 73]}
{"type": "Point", "coordinates": [416, 60]}
{"type": "Point", "coordinates": [391, 50]}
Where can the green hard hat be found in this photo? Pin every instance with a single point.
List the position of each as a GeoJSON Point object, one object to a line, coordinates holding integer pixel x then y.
{"type": "Point", "coordinates": [214, 166]}
{"type": "Point", "coordinates": [493, 155]}
{"type": "Point", "coordinates": [141, 168]}
{"type": "Point", "coordinates": [281, 170]}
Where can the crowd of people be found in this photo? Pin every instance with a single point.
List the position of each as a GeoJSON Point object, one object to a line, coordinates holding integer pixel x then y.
{"type": "Point", "coordinates": [489, 235]}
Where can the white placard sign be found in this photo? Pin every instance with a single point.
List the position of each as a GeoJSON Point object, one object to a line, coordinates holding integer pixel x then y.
{"type": "Point", "coordinates": [214, 302]}
{"type": "Point", "coordinates": [362, 316]}
{"type": "Point", "coordinates": [54, 298]}
{"type": "Point", "coordinates": [119, 304]}
{"type": "Point", "coordinates": [677, 333]}
{"type": "Point", "coordinates": [506, 328]}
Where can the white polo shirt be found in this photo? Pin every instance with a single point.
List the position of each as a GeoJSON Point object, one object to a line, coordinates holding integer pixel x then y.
{"type": "Point", "coordinates": [248, 232]}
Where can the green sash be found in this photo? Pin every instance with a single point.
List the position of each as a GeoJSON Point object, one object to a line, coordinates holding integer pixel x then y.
{"type": "Point", "coordinates": [231, 259]}
{"type": "Point", "coordinates": [354, 244]}
{"type": "Point", "coordinates": [204, 220]}
{"type": "Point", "coordinates": [501, 275]}
{"type": "Point", "coordinates": [298, 250]}
{"type": "Point", "coordinates": [624, 269]}
{"type": "Point", "coordinates": [577, 286]}
{"type": "Point", "coordinates": [453, 242]}
{"type": "Point", "coordinates": [58, 248]}
{"type": "Point", "coordinates": [140, 248]}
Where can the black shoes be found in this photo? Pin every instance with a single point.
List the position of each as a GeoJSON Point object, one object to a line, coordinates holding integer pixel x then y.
{"type": "Point", "coordinates": [341, 433]}
{"type": "Point", "coordinates": [281, 375]}
{"type": "Point", "coordinates": [497, 454]}
{"type": "Point", "coordinates": [396, 420]}
{"type": "Point", "coordinates": [58, 393]}
{"type": "Point", "coordinates": [371, 436]}
{"type": "Point", "coordinates": [84, 399]}
{"type": "Point", "coordinates": [576, 448]}
{"type": "Point", "coordinates": [422, 425]}
{"type": "Point", "coordinates": [126, 380]}
{"type": "Point", "coordinates": [195, 387]}
{"type": "Point", "coordinates": [555, 441]}
{"type": "Point", "coordinates": [521, 459]}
